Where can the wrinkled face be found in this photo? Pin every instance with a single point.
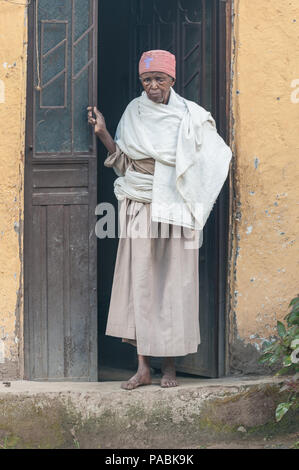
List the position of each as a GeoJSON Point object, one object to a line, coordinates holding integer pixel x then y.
{"type": "Point", "coordinates": [157, 85]}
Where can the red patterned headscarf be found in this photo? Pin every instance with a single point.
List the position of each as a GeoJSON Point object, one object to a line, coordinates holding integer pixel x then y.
{"type": "Point", "coordinates": [157, 61]}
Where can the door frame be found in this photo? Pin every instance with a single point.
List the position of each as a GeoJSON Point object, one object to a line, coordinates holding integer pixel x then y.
{"type": "Point", "coordinates": [224, 204]}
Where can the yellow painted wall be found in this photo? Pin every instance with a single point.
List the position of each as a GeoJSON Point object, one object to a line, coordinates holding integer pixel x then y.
{"type": "Point", "coordinates": [264, 264]}
{"type": "Point", "coordinates": [13, 38]}
{"type": "Point", "coordinates": [265, 98]}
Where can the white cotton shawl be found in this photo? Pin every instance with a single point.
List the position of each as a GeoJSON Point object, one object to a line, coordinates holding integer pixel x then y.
{"type": "Point", "coordinates": [192, 160]}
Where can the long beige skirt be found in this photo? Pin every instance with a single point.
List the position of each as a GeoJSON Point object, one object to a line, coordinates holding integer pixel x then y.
{"type": "Point", "coordinates": [155, 292]}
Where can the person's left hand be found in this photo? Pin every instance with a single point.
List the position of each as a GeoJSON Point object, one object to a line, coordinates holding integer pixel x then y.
{"type": "Point", "coordinates": [98, 121]}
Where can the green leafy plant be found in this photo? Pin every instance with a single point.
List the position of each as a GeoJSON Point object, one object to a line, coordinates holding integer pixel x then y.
{"type": "Point", "coordinates": [285, 350]}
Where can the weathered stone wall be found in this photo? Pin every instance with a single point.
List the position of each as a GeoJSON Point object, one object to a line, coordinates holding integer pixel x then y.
{"type": "Point", "coordinates": [265, 99]}
{"type": "Point", "coordinates": [13, 58]}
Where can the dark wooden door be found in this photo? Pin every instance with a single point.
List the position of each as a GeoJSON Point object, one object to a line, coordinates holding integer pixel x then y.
{"type": "Point", "coordinates": [195, 31]}
{"type": "Point", "coordinates": [60, 193]}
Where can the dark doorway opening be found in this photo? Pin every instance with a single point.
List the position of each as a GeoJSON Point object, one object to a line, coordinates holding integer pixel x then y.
{"type": "Point", "coordinates": [195, 31]}
{"type": "Point", "coordinates": [113, 97]}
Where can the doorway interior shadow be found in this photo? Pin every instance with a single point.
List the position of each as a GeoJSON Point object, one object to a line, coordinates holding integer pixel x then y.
{"type": "Point", "coordinates": [113, 97]}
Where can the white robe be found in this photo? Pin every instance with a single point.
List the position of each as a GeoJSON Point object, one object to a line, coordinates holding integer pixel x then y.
{"type": "Point", "coordinates": [155, 292]}
{"type": "Point", "coordinates": [192, 159]}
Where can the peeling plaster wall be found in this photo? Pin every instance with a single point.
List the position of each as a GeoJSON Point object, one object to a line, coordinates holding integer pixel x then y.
{"type": "Point", "coordinates": [13, 51]}
{"type": "Point", "coordinates": [265, 97]}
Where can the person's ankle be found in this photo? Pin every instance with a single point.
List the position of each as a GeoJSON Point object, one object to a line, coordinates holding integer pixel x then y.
{"type": "Point", "coordinates": [144, 368]}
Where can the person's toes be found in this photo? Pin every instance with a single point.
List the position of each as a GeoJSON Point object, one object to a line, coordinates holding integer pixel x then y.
{"type": "Point", "coordinates": [129, 385]}
{"type": "Point", "coordinates": [167, 383]}
{"type": "Point", "coordinates": [125, 385]}
{"type": "Point", "coordinates": [135, 382]}
{"type": "Point", "coordinates": [173, 384]}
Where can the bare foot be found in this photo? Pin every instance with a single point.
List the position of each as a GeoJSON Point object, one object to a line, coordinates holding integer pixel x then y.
{"type": "Point", "coordinates": [140, 378]}
{"type": "Point", "coordinates": [168, 374]}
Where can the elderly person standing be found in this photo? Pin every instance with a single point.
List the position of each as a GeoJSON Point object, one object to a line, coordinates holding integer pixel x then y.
{"type": "Point", "coordinates": [171, 165]}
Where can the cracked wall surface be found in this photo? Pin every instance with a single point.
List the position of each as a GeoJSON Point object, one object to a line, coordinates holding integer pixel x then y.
{"type": "Point", "coordinates": [265, 97]}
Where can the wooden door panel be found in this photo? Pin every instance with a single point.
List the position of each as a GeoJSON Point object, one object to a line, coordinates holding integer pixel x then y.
{"type": "Point", "coordinates": [55, 259]}
{"type": "Point", "coordinates": [61, 193]}
{"type": "Point", "coordinates": [59, 295]}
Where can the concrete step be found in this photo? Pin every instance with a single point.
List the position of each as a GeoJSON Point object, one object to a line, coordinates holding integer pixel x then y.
{"type": "Point", "coordinates": [200, 412]}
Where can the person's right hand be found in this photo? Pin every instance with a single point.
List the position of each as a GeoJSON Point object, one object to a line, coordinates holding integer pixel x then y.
{"type": "Point", "coordinates": [98, 121]}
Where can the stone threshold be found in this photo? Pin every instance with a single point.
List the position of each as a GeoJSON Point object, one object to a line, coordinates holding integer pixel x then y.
{"type": "Point", "coordinates": [108, 386]}
{"type": "Point", "coordinates": [93, 415]}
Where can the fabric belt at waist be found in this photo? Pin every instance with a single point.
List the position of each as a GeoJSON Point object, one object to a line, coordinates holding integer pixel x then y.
{"type": "Point", "coordinates": [134, 185]}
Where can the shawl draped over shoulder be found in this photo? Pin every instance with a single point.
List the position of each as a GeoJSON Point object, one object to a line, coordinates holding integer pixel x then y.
{"type": "Point", "coordinates": [191, 159]}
